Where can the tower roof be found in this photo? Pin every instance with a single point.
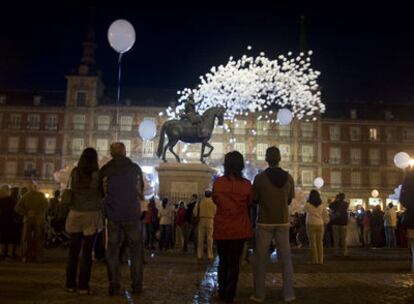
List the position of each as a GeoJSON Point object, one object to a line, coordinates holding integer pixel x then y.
{"type": "Point", "coordinates": [87, 62]}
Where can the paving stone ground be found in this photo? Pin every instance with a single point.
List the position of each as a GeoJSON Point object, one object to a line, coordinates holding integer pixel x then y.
{"type": "Point", "coordinates": [367, 276]}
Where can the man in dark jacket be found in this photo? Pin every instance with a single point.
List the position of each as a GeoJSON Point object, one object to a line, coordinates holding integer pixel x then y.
{"type": "Point", "coordinates": [189, 229]}
{"type": "Point", "coordinates": [273, 191]}
{"type": "Point", "coordinates": [339, 220]}
{"type": "Point", "coordinates": [123, 187]}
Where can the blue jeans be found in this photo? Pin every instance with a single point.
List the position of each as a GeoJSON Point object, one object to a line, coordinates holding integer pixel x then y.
{"type": "Point", "coordinates": [131, 231]}
{"type": "Point", "coordinates": [264, 236]}
{"type": "Point", "coordinates": [390, 236]}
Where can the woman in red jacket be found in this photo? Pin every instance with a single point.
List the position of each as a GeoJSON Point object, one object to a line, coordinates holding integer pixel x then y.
{"type": "Point", "coordinates": [232, 195]}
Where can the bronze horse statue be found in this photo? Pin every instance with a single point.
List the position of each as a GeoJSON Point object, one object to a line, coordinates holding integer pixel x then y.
{"type": "Point", "coordinates": [187, 132]}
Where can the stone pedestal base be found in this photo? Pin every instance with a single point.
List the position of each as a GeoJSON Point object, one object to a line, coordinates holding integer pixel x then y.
{"type": "Point", "coordinates": [179, 181]}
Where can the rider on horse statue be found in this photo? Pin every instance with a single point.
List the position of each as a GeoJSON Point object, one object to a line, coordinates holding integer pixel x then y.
{"type": "Point", "coordinates": [191, 114]}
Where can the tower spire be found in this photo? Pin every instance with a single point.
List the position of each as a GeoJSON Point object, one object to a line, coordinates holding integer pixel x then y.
{"type": "Point", "coordinates": [303, 46]}
{"type": "Point", "coordinates": [87, 62]}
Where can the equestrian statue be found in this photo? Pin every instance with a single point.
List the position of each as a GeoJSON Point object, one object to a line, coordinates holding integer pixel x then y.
{"type": "Point", "coordinates": [190, 128]}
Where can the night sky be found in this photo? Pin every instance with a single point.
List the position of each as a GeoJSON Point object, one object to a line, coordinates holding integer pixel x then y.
{"type": "Point", "coordinates": [364, 53]}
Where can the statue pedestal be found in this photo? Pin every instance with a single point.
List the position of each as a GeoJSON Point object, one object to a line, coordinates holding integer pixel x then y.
{"type": "Point", "coordinates": [179, 181]}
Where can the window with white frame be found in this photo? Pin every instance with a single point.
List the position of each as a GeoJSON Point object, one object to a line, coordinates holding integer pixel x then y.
{"type": "Point", "coordinates": [284, 130]}
{"type": "Point", "coordinates": [79, 122]}
{"type": "Point", "coordinates": [375, 179]}
{"type": "Point", "coordinates": [374, 156]}
{"type": "Point", "coordinates": [104, 122]}
{"type": "Point", "coordinates": [240, 127]}
{"type": "Point", "coordinates": [127, 144]}
{"type": "Point", "coordinates": [15, 121]}
{"type": "Point", "coordinates": [218, 151]}
{"type": "Point", "coordinates": [334, 155]}
{"type": "Point", "coordinates": [355, 178]}
{"type": "Point", "coordinates": [373, 134]}
{"type": "Point", "coordinates": [355, 156]}
{"type": "Point", "coordinates": [126, 123]}
{"type": "Point", "coordinates": [50, 145]}
{"type": "Point", "coordinates": [29, 168]}
{"type": "Point", "coordinates": [77, 145]}
{"type": "Point", "coordinates": [308, 153]}
{"type": "Point", "coordinates": [307, 177]}
{"type": "Point", "coordinates": [31, 144]}
{"type": "Point", "coordinates": [148, 148]}
{"type": "Point", "coordinates": [336, 179]}
{"type": "Point", "coordinates": [51, 122]}
{"type": "Point", "coordinates": [102, 145]}
{"type": "Point", "coordinates": [13, 144]}
{"type": "Point", "coordinates": [408, 135]}
{"type": "Point", "coordinates": [33, 121]}
{"type": "Point", "coordinates": [262, 127]}
{"type": "Point", "coordinates": [11, 169]}
{"type": "Point", "coordinates": [241, 147]}
{"type": "Point", "coordinates": [285, 152]}
{"type": "Point", "coordinates": [307, 129]}
{"type": "Point", "coordinates": [334, 133]}
{"type": "Point", "coordinates": [48, 169]}
{"type": "Point", "coordinates": [261, 151]}
{"type": "Point", "coordinates": [355, 133]}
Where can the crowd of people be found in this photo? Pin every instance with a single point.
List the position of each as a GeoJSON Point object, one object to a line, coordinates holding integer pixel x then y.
{"type": "Point", "coordinates": [235, 213]}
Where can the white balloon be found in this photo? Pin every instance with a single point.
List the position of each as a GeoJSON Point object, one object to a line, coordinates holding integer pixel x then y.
{"type": "Point", "coordinates": [147, 129]}
{"type": "Point", "coordinates": [121, 35]}
{"type": "Point", "coordinates": [318, 182]}
{"type": "Point", "coordinates": [402, 160]}
{"type": "Point", "coordinates": [375, 193]}
{"type": "Point", "coordinates": [284, 116]}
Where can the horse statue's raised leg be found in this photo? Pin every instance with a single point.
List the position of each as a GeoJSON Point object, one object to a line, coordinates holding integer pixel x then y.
{"type": "Point", "coordinates": [203, 146]}
{"type": "Point", "coordinates": [211, 149]}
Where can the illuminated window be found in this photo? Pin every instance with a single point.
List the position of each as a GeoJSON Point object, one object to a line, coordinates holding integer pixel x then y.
{"type": "Point", "coordinates": [51, 122]}
{"type": "Point", "coordinates": [284, 130]}
{"type": "Point", "coordinates": [148, 148]}
{"type": "Point", "coordinates": [307, 177]}
{"type": "Point", "coordinates": [261, 151]}
{"type": "Point", "coordinates": [334, 133]}
{"type": "Point", "coordinates": [336, 179]}
{"type": "Point", "coordinates": [102, 146]}
{"type": "Point", "coordinates": [126, 123]}
{"type": "Point", "coordinates": [79, 121]}
{"type": "Point", "coordinates": [50, 145]}
{"type": "Point", "coordinates": [306, 129]}
{"type": "Point", "coordinates": [374, 156]}
{"type": "Point", "coordinates": [262, 127]}
{"type": "Point", "coordinates": [11, 169]}
{"type": "Point", "coordinates": [355, 133]}
{"type": "Point", "coordinates": [285, 152]}
{"type": "Point", "coordinates": [77, 146]}
{"type": "Point", "coordinates": [241, 147]}
{"type": "Point", "coordinates": [373, 134]}
{"type": "Point", "coordinates": [103, 122]}
{"type": "Point", "coordinates": [334, 155]}
{"type": "Point", "coordinates": [307, 153]}
{"type": "Point", "coordinates": [355, 179]}
{"type": "Point", "coordinates": [240, 127]}
{"type": "Point", "coordinates": [48, 170]}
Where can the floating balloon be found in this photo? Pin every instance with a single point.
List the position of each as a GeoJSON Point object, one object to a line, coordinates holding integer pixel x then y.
{"type": "Point", "coordinates": [402, 160]}
{"type": "Point", "coordinates": [147, 129]}
{"type": "Point", "coordinates": [318, 182]}
{"type": "Point", "coordinates": [121, 36]}
{"type": "Point", "coordinates": [284, 116]}
{"type": "Point", "coordinates": [375, 193]}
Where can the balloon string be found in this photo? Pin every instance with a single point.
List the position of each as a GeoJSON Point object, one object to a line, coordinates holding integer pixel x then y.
{"type": "Point", "coordinates": [118, 98]}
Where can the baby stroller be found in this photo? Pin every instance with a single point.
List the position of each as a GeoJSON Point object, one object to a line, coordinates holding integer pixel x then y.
{"type": "Point", "coordinates": [56, 236]}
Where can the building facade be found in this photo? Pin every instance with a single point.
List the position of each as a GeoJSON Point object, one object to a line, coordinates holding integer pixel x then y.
{"type": "Point", "coordinates": [353, 154]}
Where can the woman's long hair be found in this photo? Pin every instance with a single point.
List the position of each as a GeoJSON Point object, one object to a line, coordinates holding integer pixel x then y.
{"type": "Point", "coordinates": [234, 164]}
{"type": "Point", "coordinates": [314, 198]}
{"type": "Point", "coordinates": [87, 164]}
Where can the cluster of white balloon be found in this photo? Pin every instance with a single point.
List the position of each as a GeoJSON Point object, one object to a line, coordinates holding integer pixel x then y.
{"type": "Point", "coordinates": [121, 37]}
